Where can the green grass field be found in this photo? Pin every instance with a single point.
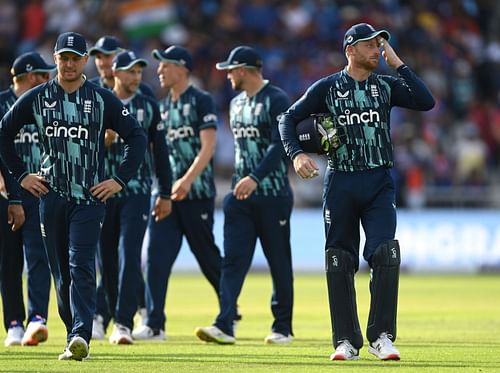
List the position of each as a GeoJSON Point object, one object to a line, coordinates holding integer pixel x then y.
{"type": "Point", "coordinates": [446, 324]}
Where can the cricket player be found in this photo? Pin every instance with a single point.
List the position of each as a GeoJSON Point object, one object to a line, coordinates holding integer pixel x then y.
{"type": "Point", "coordinates": [260, 202]}
{"type": "Point", "coordinates": [104, 51]}
{"type": "Point", "coordinates": [358, 186]}
{"type": "Point", "coordinates": [71, 116]}
{"type": "Point", "coordinates": [28, 71]}
{"type": "Point", "coordinates": [189, 116]}
{"type": "Point", "coordinates": [127, 212]}
{"type": "Point", "coordinates": [11, 261]}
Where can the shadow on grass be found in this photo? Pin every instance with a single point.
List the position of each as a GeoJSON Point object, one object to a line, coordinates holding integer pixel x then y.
{"type": "Point", "coordinates": [277, 358]}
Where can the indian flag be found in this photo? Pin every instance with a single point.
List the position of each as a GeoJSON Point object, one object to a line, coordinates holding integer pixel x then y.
{"type": "Point", "coordinates": [146, 18]}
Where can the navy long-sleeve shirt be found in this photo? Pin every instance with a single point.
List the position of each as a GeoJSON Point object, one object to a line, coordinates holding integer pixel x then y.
{"type": "Point", "coordinates": [361, 115]}
{"type": "Point", "coordinates": [184, 119]}
{"type": "Point", "coordinates": [12, 186]}
{"type": "Point", "coordinates": [147, 113]}
{"type": "Point", "coordinates": [258, 149]}
{"type": "Point", "coordinates": [71, 129]}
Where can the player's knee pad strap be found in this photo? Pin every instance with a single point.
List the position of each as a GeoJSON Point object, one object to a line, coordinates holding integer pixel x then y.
{"type": "Point", "coordinates": [340, 269]}
{"type": "Point", "coordinates": [384, 287]}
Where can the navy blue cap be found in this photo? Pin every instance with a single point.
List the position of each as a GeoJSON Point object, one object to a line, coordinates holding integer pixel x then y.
{"type": "Point", "coordinates": [126, 59]}
{"type": "Point", "coordinates": [361, 32]}
{"type": "Point", "coordinates": [241, 56]}
{"type": "Point", "coordinates": [71, 42]}
{"type": "Point", "coordinates": [31, 62]}
{"type": "Point", "coordinates": [175, 54]}
{"type": "Point", "coordinates": [107, 45]}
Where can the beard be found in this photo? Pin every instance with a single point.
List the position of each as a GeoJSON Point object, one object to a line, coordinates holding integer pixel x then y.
{"type": "Point", "coordinates": [369, 64]}
{"type": "Point", "coordinates": [236, 85]}
{"type": "Point", "coordinates": [131, 89]}
{"type": "Point", "coordinates": [72, 78]}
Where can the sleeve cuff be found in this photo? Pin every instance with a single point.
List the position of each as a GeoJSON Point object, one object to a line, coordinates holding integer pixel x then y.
{"type": "Point", "coordinates": [296, 154]}
{"type": "Point", "coordinates": [254, 178]}
{"type": "Point", "coordinates": [164, 196]}
{"type": "Point", "coordinates": [119, 181]}
{"type": "Point", "coordinates": [23, 175]}
{"type": "Point", "coordinates": [401, 67]}
{"type": "Point", "coordinates": [15, 202]}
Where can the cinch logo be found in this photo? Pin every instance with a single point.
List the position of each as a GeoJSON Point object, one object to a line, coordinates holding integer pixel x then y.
{"type": "Point", "coordinates": [364, 117]}
{"type": "Point", "coordinates": [56, 130]}
{"type": "Point", "coordinates": [180, 133]}
{"type": "Point", "coordinates": [246, 132]}
{"type": "Point", "coordinates": [24, 137]}
{"type": "Point", "coordinates": [210, 118]}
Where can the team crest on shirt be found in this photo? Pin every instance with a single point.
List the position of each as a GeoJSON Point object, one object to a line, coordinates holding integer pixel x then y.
{"type": "Point", "coordinates": [87, 106]}
{"type": "Point", "coordinates": [164, 115]}
{"type": "Point", "coordinates": [140, 115]}
{"type": "Point", "coordinates": [258, 108]}
{"type": "Point", "coordinates": [186, 108]}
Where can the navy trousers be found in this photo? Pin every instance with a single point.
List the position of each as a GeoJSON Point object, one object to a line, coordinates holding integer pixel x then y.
{"type": "Point", "coordinates": [38, 271]}
{"type": "Point", "coordinates": [11, 270]}
{"type": "Point", "coordinates": [119, 257]}
{"type": "Point", "coordinates": [70, 233]}
{"type": "Point", "coordinates": [353, 197]}
{"type": "Point", "coordinates": [268, 219]}
{"type": "Point", "coordinates": [193, 220]}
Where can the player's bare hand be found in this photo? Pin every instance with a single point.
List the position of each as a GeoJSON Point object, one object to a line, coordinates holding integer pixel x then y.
{"type": "Point", "coordinates": [3, 189]}
{"type": "Point", "coordinates": [180, 189]}
{"type": "Point", "coordinates": [388, 53]}
{"type": "Point", "coordinates": [105, 189]}
{"type": "Point", "coordinates": [305, 166]}
{"type": "Point", "coordinates": [109, 137]}
{"type": "Point", "coordinates": [244, 188]}
{"type": "Point", "coordinates": [161, 209]}
{"type": "Point", "coordinates": [15, 215]}
{"type": "Point", "coordinates": [35, 184]}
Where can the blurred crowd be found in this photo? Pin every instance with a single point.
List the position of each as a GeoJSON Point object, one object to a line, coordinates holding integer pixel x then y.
{"type": "Point", "coordinates": [449, 156]}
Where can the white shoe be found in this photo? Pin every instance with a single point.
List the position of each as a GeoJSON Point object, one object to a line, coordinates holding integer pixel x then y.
{"type": "Point", "coordinates": [383, 348]}
{"type": "Point", "coordinates": [345, 351]}
{"type": "Point", "coordinates": [14, 335]}
{"type": "Point", "coordinates": [121, 335]}
{"type": "Point", "coordinates": [278, 338]}
{"type": "Point", "coordinates": [36, 332]}
{"type": "Point", "coordinates": [77, 349]}
{"type": "Point", "coordinates": [144, 332]}
{"type": "Point", "coordinates": [98, 327]}
{"type": "Point", "coordinates": [214, 334]}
